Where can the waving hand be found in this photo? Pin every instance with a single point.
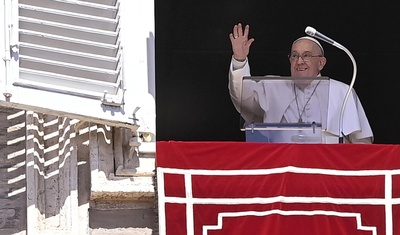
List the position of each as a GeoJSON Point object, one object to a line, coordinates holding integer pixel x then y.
{"type": "Point", "coordinates": [240, 42]}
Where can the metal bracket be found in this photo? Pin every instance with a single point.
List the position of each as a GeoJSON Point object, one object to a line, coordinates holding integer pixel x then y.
{"type": "Point", "coordinates": [114, 100]}
{"type": "Point", "coordinates": [14, 52]}
{"type": "Point", "coordinates": [134, 144]}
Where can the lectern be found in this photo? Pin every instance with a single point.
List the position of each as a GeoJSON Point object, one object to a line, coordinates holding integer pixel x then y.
{"type": "Point", "coordinates": [272, 109]}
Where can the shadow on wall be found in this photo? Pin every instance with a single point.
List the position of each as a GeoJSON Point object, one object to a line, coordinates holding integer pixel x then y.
{"type": "Point", "coordinates": [12, 171]}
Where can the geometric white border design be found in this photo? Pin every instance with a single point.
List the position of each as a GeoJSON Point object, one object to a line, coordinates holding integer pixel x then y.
{"type": "Point", "coordinates": [189, 201]}
{"type": "Point", "coordinates": [287, 213]}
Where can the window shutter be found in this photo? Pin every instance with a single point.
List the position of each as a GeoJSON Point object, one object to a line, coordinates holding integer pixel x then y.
{"type": "Point", "coordinates": [67, 58]}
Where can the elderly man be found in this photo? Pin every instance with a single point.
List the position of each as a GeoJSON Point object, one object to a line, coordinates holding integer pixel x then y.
{"type": "Point", "coordinates": [306, 60]}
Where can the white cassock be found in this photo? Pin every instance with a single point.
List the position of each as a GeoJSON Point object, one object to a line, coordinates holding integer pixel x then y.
{"type": "Point", "coordinates": [259, 102]}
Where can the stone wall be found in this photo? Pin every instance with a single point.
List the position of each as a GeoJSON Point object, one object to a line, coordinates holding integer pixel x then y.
{"type": "Point", "coordinates": [13, 201]}
{"type": "Point", "coordinates": [62, 176]}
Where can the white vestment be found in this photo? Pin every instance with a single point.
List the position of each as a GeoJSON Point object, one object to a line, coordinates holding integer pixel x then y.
{"type": "Point", "coordinates": [258, 102]}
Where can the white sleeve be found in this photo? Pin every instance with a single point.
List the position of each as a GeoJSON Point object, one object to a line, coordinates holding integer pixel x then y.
{"type": "Point", "coordinates": [237, 70]}
{"type": "Point", "coordinates": [246, 100]}
{"type": "Point", "coordinates": [238, 64]}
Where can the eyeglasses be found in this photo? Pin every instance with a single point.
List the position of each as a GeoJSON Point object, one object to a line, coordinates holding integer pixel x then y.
{"type": "Point", "coordinates": [306, 57]}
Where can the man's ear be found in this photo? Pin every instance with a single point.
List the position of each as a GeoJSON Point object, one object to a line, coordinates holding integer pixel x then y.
{"type": "Point", "coordinates": [322, 62]}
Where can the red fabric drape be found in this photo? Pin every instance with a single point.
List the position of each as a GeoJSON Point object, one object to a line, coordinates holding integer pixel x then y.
{"type": "Point", "coordinates": [278, 188]}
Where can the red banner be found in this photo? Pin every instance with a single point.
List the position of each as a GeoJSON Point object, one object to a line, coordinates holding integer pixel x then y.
{"type": "Point", "coordinates": [215, 188]}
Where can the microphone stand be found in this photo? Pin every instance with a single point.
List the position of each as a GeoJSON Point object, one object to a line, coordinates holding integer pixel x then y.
{"type": "Point", "coordinates": [312, 32]}
{"type": "Point", "coordinates": [341, 134]}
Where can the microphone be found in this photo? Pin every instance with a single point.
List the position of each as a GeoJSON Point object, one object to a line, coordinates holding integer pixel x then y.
{"type": "Point", "coordinates": [314, 33]}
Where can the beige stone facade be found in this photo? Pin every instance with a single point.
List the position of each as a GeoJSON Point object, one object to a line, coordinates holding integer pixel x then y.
{"type": "Point", "coordinates": [62, 176]}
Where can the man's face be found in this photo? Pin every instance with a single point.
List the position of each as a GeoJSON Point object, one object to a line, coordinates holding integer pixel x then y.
{"type": "Point", "coordinates": [299, 67]}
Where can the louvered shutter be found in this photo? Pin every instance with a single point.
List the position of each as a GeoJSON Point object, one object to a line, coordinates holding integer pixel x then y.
{"type": "Point", "coordinates": [66, 57]}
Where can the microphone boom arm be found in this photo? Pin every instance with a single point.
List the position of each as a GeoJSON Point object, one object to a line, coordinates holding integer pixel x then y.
{"type": "Point", "coordinates": [341, 134]}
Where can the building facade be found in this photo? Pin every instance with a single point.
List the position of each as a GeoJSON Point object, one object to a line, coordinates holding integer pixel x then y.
{"type": "Point", "coordinates": [77, 117]}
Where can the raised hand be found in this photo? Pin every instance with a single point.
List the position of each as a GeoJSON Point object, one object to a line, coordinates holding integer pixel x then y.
{"type": "Point", "coordinates": [240, 42]}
